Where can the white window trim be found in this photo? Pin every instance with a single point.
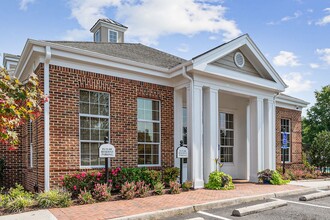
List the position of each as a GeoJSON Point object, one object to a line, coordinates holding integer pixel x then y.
{"type": "Point", "coordinates": [109, 30]}
{"type": "Point", "coordinates": [234, 113]}
{"type": "Point", "coordinates": [160, 134]}
{"type": "Point", "coordinates": [97, 32]}
{"type": "Point", "coordinates": [290, 142]}
{"type": "Point", "coordinates": [92, 141]}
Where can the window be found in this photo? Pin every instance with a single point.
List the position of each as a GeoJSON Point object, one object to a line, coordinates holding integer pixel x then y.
{"type": "Point", "coordinates": [94, 125]}
{"type": "Point", "coordinates": [226, 137]}
{"type": "Point", "coordinates": [97, 36]}
{"type": "Point", "coordinates": [113, 36]}
{"type": "Point", "coordinates": [286, 127]}
{"type": "Point", "coordinates": [30, 135]}
{"type": "Point", "coordinates": [184, 126]}
{"type": "Point", "coordinates": [148, 132]}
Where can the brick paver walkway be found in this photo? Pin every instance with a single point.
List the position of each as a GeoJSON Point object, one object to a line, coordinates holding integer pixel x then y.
{"type": "Point", "coordinates": [114, 209]}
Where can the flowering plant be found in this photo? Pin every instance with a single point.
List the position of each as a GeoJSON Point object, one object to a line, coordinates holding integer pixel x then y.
{"type": "Point", "coordinates": [18, 103]}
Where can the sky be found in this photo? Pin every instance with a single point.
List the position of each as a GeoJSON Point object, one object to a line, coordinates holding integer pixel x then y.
{"type": "Point", "coordinates": [294, 35]}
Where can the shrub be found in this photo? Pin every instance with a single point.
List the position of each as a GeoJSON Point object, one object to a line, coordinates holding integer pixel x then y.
{"type": "Point", "coordinates": [85, 197]}
{"type": "Point", "coordinates": [81, 180]}
{"type": "Point", "coordinates": [219, 181]}
{"type": "Point", "coordinates": [277, 179]}
{"type": "Point", "coordinates": [151, 177]}
{"type": "Point", "coordinates": [175, 187]}
{"type": "Point", "coordinates": [18, 204]}
{"type": "Point", "coordinates": [17, 199]}
{"type": "Point", "coordinates": [18, 191]}
{"type": "Point", "coordinates": [265, 176]}
{"type": "Point", "coordinates": [54, 198]}
{"type": "Point", "coordinates": [159, 188]}
{"type": "Point", "coordinates": [186, 186]}
{"type": "Point", "coordinates": [142, 189]}
{"type": "Point", "coordinates": [128, 190]}
{"type": "Point", "coordinates": [170, 174]}
{"type": "Point", "coordinates": [119, 176]}
{"type": "Point", "coordinates": [3, 200]}
{"type": "Point", "coordinates": [101, 192]}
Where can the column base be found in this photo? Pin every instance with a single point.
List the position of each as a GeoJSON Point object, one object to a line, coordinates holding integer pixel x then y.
{"type": "Point", "coordinates": [253, 179]}
{"type": "Point", "coordinates": [198, 184]}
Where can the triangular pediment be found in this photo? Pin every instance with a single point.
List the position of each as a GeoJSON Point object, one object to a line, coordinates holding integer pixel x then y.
{"type": "Point", "coordinates": [248, 68]}
{"type": "Point", "coordinates": [256, 69]}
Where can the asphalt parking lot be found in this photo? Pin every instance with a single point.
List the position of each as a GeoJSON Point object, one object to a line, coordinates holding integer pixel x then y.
{"type": "Point", "coordinates": [303, 210]}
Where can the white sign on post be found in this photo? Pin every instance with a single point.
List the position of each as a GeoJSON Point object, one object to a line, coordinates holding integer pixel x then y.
{"type": "Point", "coordinates": [182, 152]}
{"type": "Point", "coordinates": [106, 151]}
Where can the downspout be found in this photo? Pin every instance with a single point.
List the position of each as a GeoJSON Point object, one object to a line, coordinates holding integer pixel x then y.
{"type": "Point", "coordinates": [46, 116]}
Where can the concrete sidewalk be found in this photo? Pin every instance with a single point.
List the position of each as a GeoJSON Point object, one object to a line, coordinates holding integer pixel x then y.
{"type": "Point", "coordinates": [311, 183]}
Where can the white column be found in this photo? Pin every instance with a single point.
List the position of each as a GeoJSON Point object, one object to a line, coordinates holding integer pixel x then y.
{"type": "Point", "coordinates": [269, 153]}
{"type": "Point", "coordinates": [257, 138]}
{"type": "Point", "coordinates": [210, 130]}
{"type": "Point", "coordinates": [248, 140]}
{"type": "Point", "coordinates": [178, 101]}
{"type": "Point", "coordinates": [195, 138]}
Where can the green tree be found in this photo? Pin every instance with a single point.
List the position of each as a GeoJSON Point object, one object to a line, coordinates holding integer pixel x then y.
{"type": "Point", "coordinates": [320, 150]}
{"type": "Point", "coordinates": [19, 102]}
{"type": "Point", "coordinates": [318, 117]}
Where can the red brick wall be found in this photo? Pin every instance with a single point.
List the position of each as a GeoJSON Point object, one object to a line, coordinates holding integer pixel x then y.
{"type": "Point", "coordinates": [64, 117]}
{"type": "Point", "coordinates": [34, 175]}
{"type": "Point", "coordinates": [296, 136]}
{"type": "Point", "coordinates": [13, 160]}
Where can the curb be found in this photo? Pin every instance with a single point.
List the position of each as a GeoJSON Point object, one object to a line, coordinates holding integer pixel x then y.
{"type": "Point", "coordinates": [314, 196]}
{"type": "Point", "coordinates": [215, 204]}
{"type": "Point", "coordinates": [258, 208]}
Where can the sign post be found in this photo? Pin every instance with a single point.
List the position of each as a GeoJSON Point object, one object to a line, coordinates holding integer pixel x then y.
{"type": "Point", "coordinates": [181, 152]}
{"type": "Point", "coordinates": [107, 151]}
{"type": "Point", "coordinates": [284, 147]}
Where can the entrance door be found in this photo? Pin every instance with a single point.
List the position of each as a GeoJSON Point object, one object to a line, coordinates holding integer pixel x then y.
{"type": "Point", "coordinates": [227, 142]}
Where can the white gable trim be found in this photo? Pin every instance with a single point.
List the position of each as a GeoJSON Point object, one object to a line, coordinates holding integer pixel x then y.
{"type": "Point", "coordinates": [201, 62]}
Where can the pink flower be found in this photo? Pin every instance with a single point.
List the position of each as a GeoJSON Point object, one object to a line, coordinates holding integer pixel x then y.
{"type": "Point", "coordinates": [110, 181]}
{"type": "Point", "coordinates": [97, 179]}
{"type": "Point", "coordinates": [74, 187]}
{"type": "Point", "coordinates": [99, 174]}
{"type": "Point", "coordinates": [83, 174]}
{"type": "Point", "coordinates": [62, 178]}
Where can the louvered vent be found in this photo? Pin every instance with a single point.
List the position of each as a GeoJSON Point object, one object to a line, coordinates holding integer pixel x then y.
{"type": "Point", "coordinates": [239, 59]}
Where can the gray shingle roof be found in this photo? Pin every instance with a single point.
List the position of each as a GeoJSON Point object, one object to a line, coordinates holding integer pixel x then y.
{"type": "Point", "coordinates": [130, 51]}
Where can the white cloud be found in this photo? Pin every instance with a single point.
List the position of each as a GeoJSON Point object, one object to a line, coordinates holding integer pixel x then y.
{"type": "Point", "coordinates": [213, 37]}
{"type": "Point", "coordinates": [77, 35]}
{"type": "Point", "coordinates": [325, 20]}
{"type": "Point", "coordinates": [296, 83]}
{"type": "Point", "coordinates": [147, 20]}
{"type": "Point", "coordinates": [314, 65]}
{"type": "Point", "coordinates": [295, 15]}
{"type": "Point", "coordinates": [324, 54]}
{"type": "Point", "coordinates": [23, 5]}
{"type": "Point", "coordinates": [184, 48]}
{"type": "Point", "coordinates": [286, 58]}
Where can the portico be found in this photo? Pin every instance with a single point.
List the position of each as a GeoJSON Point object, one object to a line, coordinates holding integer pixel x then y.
{"type": "Point", "coordinates": [230, 114]}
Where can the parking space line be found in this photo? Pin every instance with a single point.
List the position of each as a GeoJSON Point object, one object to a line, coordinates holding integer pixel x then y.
{"type": "Point", "coordinates": [302, 203]}
{"type": "Point", "coordinates": [211, 215]}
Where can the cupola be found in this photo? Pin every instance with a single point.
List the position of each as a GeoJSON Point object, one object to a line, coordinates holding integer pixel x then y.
{"type": "Point", "coordinates": [108, 30]}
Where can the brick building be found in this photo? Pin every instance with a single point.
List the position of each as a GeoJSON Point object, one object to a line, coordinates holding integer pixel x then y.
{"type": "Point", "coordinates": [226, 102]}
